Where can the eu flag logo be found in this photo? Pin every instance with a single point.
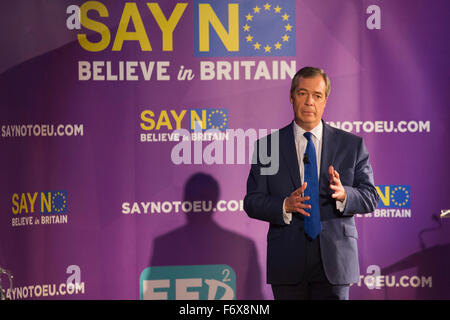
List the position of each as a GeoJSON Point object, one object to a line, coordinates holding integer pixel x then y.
{"type": "Point", "coordinates": [217, 119]}
{"type": "Point", "coordinates": [54, 202]}
{"type": "Point", "coordinates": [400, 196]}
{"type": "Point", "coordinates": [204, 119]}
{"type": "Point", "coordinates": [244, 28]}
{"type": "Point", "coordinates": [394, 196]}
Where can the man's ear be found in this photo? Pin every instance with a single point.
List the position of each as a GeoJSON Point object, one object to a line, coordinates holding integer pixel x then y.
{"type": "Point", "coordinates": [290, 98]}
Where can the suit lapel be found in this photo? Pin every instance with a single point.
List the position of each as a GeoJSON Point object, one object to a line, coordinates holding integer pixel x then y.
{"type": "Point", "coordinates": [330, 143]}
{"type": "Point", "coordinates": [289, 153]}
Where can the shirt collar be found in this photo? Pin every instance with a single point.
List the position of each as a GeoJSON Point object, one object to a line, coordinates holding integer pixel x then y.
{"type": "Point", "coordinates": [316, 131]}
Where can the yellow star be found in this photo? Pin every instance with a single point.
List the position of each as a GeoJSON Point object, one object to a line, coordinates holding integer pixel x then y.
{"type": "Point", "coordinates": [277, 9]}
{"type": "Point", "coordinates": [267, 48]}
{"type": "Point", "coordinates": [249, 17]}
{"type": "Point", "coordinates": [288, 27]}
{"type": "Point", "coordinates": [246, 27]}
{"type": "Point", "coordinates": [249, 38]}
{"type": "Point", "coordinates": [257, 46]}
{"type": "Point", "coordinates": [285, 38]}
{"type": "Point", "coordinates": [278, 46]}
{"type": "Point", "coordinates": [267, 6]}
{"type": "Point", "coordinates": [256, 9]}
{"type": "Point", "coordinates": [285, 17]}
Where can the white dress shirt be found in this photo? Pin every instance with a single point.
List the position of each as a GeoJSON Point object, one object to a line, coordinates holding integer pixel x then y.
{"type": "Point", "coordinates": [300, 146]}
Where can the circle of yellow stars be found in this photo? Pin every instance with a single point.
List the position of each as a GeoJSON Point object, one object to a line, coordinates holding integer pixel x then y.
{"type": "Point", "coordinates": [224, 121]}
{"type": "Point", "coordinates": [64, 202]}
{"type": "Point", "coordinates": [405, 200]}
{"type": "Point", "coordinates": [287, 27]}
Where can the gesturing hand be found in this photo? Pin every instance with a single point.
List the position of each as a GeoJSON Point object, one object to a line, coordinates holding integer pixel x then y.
{"type": "Point", "coordinates": [336, 185]}
{"type": "Point", "coordinates": [294, 203]}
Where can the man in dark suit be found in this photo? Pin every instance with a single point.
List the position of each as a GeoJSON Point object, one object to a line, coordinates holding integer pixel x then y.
{"type": "Point", "coordinates": [324, 178]}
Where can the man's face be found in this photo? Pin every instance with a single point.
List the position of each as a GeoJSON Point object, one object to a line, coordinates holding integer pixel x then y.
{"type": "Point", "coordinates": [308, 101]}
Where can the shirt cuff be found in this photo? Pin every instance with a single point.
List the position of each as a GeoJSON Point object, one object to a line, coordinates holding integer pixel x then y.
{"type": "Point", "coordinates": [341, 205]}
{"type": "Point", "coordinates": [287, 216]}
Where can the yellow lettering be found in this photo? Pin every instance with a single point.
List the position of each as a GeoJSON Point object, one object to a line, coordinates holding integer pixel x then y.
{"type": "Point", "coordinates": [148, 119]}
{"type": "Point", "coordinates": [384, 197]}
{"type": "Point", "coordinates": [178, 118]}
{"type": "Point", "coordinates": [23, 203]}
{"type": "Point", "coordinates": [46, 201]}
{"type": "Point", "coordinates": [207, 16]}
{"type": "Point", "coordinates": [196, 118]}
{"type": "Point", "coordinates": [95, 26]}
{"type": "Point", "coordinates": [15, 201]}
{"type": "Point", "coordinates": [164, 121]}
{"type": "Point", "coordinates": [131, 12]}
{"type": "Point", "coordinates": [167, 26]}
{"type": "Point", "coordinates": [32, 200]}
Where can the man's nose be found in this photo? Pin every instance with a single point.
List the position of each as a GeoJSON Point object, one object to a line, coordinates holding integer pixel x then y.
{"type": "Point", "coordinates": [309, 100]}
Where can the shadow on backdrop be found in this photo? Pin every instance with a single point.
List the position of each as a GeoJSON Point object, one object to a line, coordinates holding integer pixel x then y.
{"type": "Point", "coordinates": [430, 262]}
{"type": "Point", "coordinates": [201, 241]}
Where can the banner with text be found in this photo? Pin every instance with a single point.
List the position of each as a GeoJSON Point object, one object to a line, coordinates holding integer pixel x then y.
{"type": "Point", "coordinates": [127, 133]}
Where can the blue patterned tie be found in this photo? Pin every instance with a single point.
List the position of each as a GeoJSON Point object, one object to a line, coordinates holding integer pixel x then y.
{"type": "Point", "coordinates": [312, 223]}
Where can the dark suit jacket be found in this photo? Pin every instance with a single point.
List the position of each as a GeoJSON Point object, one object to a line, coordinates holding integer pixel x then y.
{"type": "Point", "coordinates": [338, 239]}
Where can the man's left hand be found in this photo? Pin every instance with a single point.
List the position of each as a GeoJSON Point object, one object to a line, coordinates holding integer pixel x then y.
{"type": "Point", "coordinates": [336, 185]}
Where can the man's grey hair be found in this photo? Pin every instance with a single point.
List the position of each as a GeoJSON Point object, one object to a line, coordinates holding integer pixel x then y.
{"type": "Point", "coordinates": [310, 72]}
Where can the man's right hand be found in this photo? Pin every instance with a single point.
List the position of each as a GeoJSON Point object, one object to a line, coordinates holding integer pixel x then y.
{"type": "Point", "coordinates": [294, 203]}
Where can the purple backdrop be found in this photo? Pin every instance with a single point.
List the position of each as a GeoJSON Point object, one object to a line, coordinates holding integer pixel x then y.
{"type": "Point", "coordinates": [73, 162]}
